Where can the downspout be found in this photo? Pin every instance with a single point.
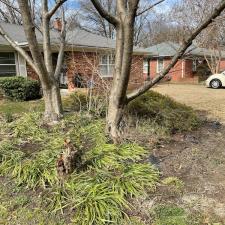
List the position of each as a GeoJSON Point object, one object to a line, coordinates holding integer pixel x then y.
{"type": "Point", "coordinates": [148, 73]}
{"type": "Point", "coordinates": [182, 76]}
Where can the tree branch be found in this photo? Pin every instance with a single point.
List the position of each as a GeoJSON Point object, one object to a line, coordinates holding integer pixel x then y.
{"type": "Point", "coordinates": [9, 5]}
{"type": "Point", "coordinates": [47, 51]}
{"type": "Point", "coordinates": [55, 8]}
{"type": "Point", "coordinates": [217, 11]}
{"type": "Point", "coordinates": [18, 11]}
{"type": "Point", "coordinates": [109, 17]}
{"type": "Point", "coordinates": [149, 8]}
{"type": "Point", "coordinates": [18, 49]}
{"type": "Point", "coordinates": [29, 29]}
{"type": "Point", "coordinates": [62, 47]}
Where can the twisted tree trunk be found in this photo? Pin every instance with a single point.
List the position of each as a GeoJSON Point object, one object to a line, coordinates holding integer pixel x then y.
{"type": "Point", "coordinates": [123, 60]}
{"type": "Point", "coordinates": [43, 66]}
{"type": "Point", "coordinates": [123, 22]}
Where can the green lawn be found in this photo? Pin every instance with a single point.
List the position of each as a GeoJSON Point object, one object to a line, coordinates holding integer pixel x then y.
{"type": "Point", "coordinates": [7, 106]}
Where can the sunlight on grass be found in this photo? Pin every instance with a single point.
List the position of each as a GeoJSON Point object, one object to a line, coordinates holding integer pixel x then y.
{"type": "Point", "coordinates": [7, 106]}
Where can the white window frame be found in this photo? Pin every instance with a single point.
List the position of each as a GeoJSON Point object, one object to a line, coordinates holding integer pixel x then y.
{"type": "Point", "coordinates": [108, 65]}
{"type": "Point", "coordinates": [162, 60]}
{"type": "Point", "coordinates": [146, 66]}
{"type": "Point", "coordinates": [21, 65]}
{"type": "Point", "coordinates": [11, 64]}
{"type": "Point", "coordinates": [194, 65]}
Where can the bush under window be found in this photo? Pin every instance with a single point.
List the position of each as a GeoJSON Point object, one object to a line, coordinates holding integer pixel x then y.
{"type": "Point", "coordinates": [20, 88]}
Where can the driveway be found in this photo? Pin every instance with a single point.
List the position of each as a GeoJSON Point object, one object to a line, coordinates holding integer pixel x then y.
{"type": "Point", "coordinates": [198, 96]}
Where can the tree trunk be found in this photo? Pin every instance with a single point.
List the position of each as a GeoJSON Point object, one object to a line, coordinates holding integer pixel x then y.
{"type": "Point", "coordinates": [53, 103]}
{"type": "Point", "coordinates": [123, 21]}
{"type": "Point", "coordinates": [123, 61]}
{"type": "Point", "coordinates": [115, 123]}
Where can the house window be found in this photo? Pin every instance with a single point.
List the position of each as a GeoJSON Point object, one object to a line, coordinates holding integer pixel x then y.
{"type": "Point", "coordinates": [7, 64]}
{"type": "Point", "coordinates": [160, 65]}
{"type": "Point", "coordinates": [146, 66]}
{"type": "Point", "coordinates": [194, 65]}
{"type": "Point", "coordinates": [106, 66]}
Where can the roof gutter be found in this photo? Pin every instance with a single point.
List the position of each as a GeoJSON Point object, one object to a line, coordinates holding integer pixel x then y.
{"type": "Point", "coordinates": [22, 44]}
{"type": "Point", "coordinates": [70, 47]}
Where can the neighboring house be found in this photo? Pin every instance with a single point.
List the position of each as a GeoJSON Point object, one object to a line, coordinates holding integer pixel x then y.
{"type": "Point", "coordinates": [192, 68]}
{"type": "Point", "coordinates": [86, 55]}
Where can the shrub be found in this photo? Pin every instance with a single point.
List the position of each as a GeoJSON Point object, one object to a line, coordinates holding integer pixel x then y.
{"type": "Point", "coordinates": [20, 89]}
{"type": "Point", "coordinates": [164, 112]}
{"type": "Point", "coordinates": [80, 102]}
{"type": "Point", "coordinates": [1, 94]}
{"type": "Point", "coordinates": [154, 109]}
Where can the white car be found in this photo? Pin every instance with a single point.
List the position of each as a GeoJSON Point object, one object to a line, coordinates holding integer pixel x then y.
{"type": "Point", "coordinates": [216, 80]}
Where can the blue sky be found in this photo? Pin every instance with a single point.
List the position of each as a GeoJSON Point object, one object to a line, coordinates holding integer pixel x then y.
{"type": "Point", "coordinates": [73, 4]}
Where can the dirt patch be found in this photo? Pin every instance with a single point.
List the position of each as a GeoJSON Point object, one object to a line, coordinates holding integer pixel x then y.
{"type": "Point", "coordinates": [198, 159]}
{"type": "Point", "coordinates": [29, 148]}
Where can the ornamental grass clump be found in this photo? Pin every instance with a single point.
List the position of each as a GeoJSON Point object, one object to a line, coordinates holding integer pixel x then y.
{"type": "Point", "coordinates": [98, 192]}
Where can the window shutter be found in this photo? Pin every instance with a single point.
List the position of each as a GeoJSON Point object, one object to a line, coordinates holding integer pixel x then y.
{"type": "Point", "coordinates": [22, 66]}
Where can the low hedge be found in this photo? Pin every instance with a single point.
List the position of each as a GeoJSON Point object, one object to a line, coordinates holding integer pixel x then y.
{"type": "Point", "coordinates": [20, 88]}
{"type": "Point", "coordinates": [164, 111]}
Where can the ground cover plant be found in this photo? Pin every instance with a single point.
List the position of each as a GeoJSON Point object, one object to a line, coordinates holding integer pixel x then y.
{"type": "Point", "coordinates": [99, 191]}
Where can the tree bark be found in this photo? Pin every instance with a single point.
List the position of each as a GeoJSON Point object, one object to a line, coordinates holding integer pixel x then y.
{"type": "Point", "coordinates": [61, 54]}
{"type": "Point", "coordinates": [149, 84]}
{"type": "Point", "coordinates": [53, 103]}
{"type": "Point", "coordinates": [124, 24]}
{"type": "Point", "coordinates": [123, 61]}
{"type": "Point", "coordinates": [51, 91]}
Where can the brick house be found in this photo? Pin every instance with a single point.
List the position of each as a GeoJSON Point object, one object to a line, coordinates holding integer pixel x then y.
{"type": "Point", "coordinates": [192, 68]}
{"type": "Point", "coordinates": [86, 54]}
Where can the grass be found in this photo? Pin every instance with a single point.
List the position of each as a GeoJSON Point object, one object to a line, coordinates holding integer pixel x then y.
{"type": "Point", "coordinates": [173, 181]}
{"type": "Point", "coordinates": [20, 206]}
{"type": "Point", "coordinates": [197, 96]}
{"type": "Point", "coordinates": [7, 106]}
{"type": "Point", "coordinates": [169, 215]}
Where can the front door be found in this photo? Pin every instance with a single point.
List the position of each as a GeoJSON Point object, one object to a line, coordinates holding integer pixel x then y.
{"type": "Point", "coordinates": [63, 79]}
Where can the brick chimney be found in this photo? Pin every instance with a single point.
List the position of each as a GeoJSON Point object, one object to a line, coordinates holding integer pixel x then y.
{"type": "Point", "coordinates": [57, 24]}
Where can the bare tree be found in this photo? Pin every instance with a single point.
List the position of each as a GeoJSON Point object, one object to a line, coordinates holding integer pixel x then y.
{"type": "Point", "coordinates": [93, 22]}
{"type": "Point", "coordinates": [9, 12]}
{"type": "Point", "coordinates": [214, 59]}
{"type": "Point", "coordinates": [41, 63]}
{"type": "Point", "coordinates": [123, 21]}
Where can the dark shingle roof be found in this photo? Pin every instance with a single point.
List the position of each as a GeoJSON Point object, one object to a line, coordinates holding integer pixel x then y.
{"type": "Point", "coordinates": [76, 37]}
{"type": "Point", "coordinates": [170, 49]}
{"type": "Point", "coordinates": [14, 31]}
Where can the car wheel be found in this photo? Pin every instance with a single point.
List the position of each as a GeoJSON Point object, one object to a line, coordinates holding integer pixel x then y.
{"type": "Point", "coordinates": [215, 84]}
